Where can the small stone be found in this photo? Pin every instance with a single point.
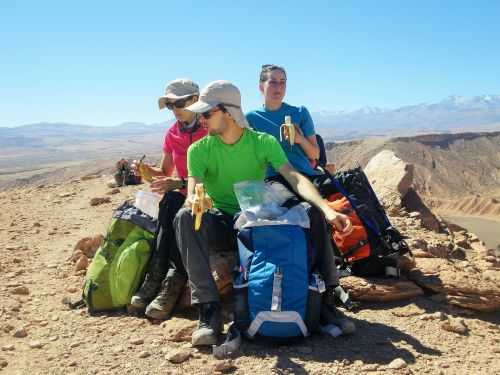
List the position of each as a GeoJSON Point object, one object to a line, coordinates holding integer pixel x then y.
{"type": "Point", "coordinates": [71, 289]}
{"type": "Point", "coordinates": [113, 191]}
{"type": "Point", "coordinates": [7, 328]}
{"type": "Point", "coordinates": [3, 363]}
{"type": "Point", "coordinates": [99, 200]}
{"type": "Point", "coordinates": [74, 344]}
{"type": "Point", "coordinates": [22, 290]}
{"type": "Point", "coordinates": [370, 367]}
{"type": "Point", "coordinates": [225, 366]}
{"type": "Point", "coordinates": [72, 364]}
{"type": "Point", "coordinates": [53, 338]}
{"type": "Point", "coordinates": [137, 341]}
{"type": "Point", "coordinates": [397, 364]}
{"type": "Point", "coordinates": [456, 326]}
{"type": "Point", "coordinates": [8, 348]}
{"type": "Point", "coordinates": [144, 354]}
{"type": "Point", "coordinates": [438, 315]}
{"type": "Point", "coordinates": [490, 259]}
{"type": "Point", "coordinates": [20, 333]}
{"type": "Point", "coordinates": [178, 356]}
{"type": "Point", "coordinates": [35, 344]}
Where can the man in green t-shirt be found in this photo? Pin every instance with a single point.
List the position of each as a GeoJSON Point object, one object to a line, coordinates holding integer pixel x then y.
{"type": "Point", "coordinates": [229, 154]}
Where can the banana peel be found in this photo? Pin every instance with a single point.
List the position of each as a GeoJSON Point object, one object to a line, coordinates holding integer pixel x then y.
{"type": "Point", "coordinates": [287, 131]}
{"type": "Point", "coordinates": [144, 171]}
{"type": "Point", "coordinates": [201, 204]}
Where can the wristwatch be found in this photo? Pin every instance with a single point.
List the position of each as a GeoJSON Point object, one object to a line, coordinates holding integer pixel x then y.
{"type": "Point", "coordinates": [184, 183]}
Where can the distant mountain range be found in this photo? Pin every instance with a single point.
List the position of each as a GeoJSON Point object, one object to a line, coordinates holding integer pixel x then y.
{"type": "Point", "coordinates": [453, 114]}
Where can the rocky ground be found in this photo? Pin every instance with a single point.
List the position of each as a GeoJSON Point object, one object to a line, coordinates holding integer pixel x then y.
{"type": "Point", "coordinates": [441, 318]}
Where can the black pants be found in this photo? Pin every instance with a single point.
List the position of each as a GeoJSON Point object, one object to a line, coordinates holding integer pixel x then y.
{"type": "Point", "coordinates": [165, 253]}
{"type": "Point", "coordinates": [215, 235]}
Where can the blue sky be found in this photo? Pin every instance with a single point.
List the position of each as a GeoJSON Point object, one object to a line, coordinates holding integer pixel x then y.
{"type": "Point", "coordinates": [106, 62]}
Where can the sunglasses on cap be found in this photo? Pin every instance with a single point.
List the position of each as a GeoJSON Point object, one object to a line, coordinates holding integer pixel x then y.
{"type": "Point", "coordinates": [220, 107]}
{"type": "Point", "coordinates": [180, 103]}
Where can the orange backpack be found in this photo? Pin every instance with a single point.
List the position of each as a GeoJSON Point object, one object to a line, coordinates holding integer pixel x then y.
{"type": "Point", "coordinates": [354, 245]}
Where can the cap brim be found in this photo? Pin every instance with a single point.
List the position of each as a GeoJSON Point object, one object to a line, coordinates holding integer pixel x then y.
{"type": "Point", "coordinates": [162, 102]}
{"type": "Point", "coordinates": [200, 107]}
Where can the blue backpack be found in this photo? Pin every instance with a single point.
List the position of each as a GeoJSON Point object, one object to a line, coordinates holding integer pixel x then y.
{"type": "Point", "coordinates": [275, 294]}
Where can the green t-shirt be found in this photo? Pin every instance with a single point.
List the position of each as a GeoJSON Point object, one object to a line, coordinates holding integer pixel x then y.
{"type": "Point", "coordinates": [219, 166]}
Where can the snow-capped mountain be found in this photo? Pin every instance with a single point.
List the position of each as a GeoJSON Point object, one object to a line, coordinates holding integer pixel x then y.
{"type": "Point", "coordinates": [455, 113]}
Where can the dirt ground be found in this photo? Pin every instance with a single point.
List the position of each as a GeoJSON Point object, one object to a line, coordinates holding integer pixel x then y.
{"type": "Point", "coordinates": [39, 227]}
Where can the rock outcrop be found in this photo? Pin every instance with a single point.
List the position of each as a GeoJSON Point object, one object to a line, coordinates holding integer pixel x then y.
{"type": "Point", "coordinates": [380, 290]}
{"type": "Point", "coordinates": [391, 177]}
{"type": "Point", "coordinates": [461, 283]}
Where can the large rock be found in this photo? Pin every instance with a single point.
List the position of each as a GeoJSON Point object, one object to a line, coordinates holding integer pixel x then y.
{"type": "Point", "coordinates": [461, 283]}
{"type": "Point", "coordinates": [380, 290]}
{"type": "Point", "coordinates": [88, 245]}
{"type": "Point", "coordinates": [222, 265]}
{"type": "Point", "coordinates": [413, 202]}
{"type": "Point", "coordinates": [391, 177]}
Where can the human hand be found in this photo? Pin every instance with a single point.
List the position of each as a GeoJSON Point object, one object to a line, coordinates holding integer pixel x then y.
{"type": "Point", "coordinates": [299, 137]}
{"type": "Point", "coordinates": [161, 185]}
{"type": "Point", "coordinates": [340, 222]}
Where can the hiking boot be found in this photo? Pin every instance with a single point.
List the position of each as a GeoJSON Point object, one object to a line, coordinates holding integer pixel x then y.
{"type": "Point", "coordinates": [163, 305]}
{"type": "Point", "coordinates": [209, 325]}
{"type": "Point", "coordinates": [148, 289]}
{"type": "Point", "coordinates": [330, 314]}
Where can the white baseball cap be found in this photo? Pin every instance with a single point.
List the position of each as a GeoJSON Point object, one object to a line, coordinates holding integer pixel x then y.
{"type": "Point", "coordinates": [223, 93]}
{"type": "Point", "coordinates": [178, 89]}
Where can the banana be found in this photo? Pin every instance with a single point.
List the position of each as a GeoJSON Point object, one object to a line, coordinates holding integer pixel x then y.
{"type": "Point", "coordinates": [144, 171]}
{"type": "Point", "coordinates": [201, 204]}
{"type": "Point", "coordinates": [287, 131]}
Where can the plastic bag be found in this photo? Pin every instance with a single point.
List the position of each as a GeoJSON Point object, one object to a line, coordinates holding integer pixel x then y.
{"type": "Point", "coordinates": [261, 205]}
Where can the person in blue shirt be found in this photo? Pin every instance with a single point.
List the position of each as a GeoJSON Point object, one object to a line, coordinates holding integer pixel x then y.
{"type": "Point", "coordinates": [303, 154]}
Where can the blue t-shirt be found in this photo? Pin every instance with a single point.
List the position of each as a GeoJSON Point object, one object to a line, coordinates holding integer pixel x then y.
{"type": "Point", "coordinates": [269, 122]}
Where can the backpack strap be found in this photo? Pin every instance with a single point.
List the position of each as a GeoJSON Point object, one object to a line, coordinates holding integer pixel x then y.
{"type": "Point", "coordinates": [343, 296]}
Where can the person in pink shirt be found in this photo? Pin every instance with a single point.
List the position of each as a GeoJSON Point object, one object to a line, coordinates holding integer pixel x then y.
{"type": "Point", "coordinates": [166, 276]}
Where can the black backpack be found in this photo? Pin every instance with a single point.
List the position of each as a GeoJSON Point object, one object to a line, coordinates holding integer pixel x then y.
{"type": "Point", "coordinates": [124, 174]}
{"type": "Point", "coordinates": [386, 242]}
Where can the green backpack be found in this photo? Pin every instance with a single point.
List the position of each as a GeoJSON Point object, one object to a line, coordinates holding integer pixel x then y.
{"type": "Point", "coordinates": [119, 265]}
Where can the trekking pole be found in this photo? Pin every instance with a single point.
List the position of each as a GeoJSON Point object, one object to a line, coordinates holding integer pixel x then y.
{"type": "Point", "coordinates": [200, 205]}
{"type": "Point", "coordinates": [287, 130]}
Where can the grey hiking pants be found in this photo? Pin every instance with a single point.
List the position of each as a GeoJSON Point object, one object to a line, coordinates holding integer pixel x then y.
{"type": "Point", "coordinates": [216, 234]}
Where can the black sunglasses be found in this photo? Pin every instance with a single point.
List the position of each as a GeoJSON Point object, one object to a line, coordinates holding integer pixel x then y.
{"type": "Point", "coordinates": [220, 107]}
{"type": "Point", "coordinates": [180, 103]}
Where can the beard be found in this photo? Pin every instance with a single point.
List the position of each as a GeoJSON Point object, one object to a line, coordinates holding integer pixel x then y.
{"type": "Point", "coordinates": [213, 132]}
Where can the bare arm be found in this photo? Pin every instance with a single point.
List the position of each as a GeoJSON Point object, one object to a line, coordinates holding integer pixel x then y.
{"type": "Point", "coordinates": [163, 181]}
{"type": "Point", "coordinates": [309, 145]}
{"type": "Point", "coordinates": [167, 164]}
{"type": "Point", "coordinates": [308, 191]}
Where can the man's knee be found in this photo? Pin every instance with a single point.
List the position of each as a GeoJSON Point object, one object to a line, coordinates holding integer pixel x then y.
{"type": "Point", "coordinates": [183, 218]}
